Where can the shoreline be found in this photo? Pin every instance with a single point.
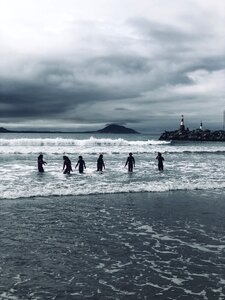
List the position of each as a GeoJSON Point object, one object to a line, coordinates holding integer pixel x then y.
{"type": "Point", "coordinates": [163, 193]}
{"type": "Point", "coordinates": [119, 246]}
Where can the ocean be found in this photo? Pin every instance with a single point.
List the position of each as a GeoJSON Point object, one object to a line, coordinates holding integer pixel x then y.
{"type": "Point", "coordinates": [113, 235]}
{"type": "Point", "coordinates": [188, 166]}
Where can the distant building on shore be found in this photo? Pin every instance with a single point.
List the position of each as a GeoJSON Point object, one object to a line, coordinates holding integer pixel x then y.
{"type": "Point", "coordinates": [182, 127]}
{"type": "Point", "coordinates": [224, 120]}
{"type": "Point", "coordinates": [197, 134]}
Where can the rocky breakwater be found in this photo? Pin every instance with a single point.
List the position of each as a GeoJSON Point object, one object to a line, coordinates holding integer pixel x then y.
{"type": "Point", "coordinates": [194, 135]}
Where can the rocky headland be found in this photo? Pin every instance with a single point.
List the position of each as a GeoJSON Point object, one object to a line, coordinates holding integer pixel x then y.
{"type": "Point", "coordinates": [194, 135]}
{"type": "Point", "coordinates": [2, 129]}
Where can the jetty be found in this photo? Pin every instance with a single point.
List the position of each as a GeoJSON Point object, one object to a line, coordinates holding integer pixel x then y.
{"type": "Point", "coordinates": [194, 135]}
{"type": "Point", "coordinates": [184, 134]}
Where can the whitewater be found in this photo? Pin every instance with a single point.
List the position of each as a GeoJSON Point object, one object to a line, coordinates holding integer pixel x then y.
{"type": "Point", "coordinates": [188, 165]}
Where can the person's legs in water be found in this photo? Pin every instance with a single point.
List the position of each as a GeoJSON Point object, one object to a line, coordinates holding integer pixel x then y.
{"type": "Point", "coordinates": [130, 168]}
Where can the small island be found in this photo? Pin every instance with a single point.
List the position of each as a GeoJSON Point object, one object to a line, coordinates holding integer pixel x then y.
{"type": "Point", "coordinates": [118, 129]}
{"type": "Point", "coordinates": [184, 134]}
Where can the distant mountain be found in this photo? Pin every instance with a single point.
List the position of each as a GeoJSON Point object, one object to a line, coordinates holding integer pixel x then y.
{"type": "Point", "coordinates": [2, 129]}
{"type": "Point", "coordinates": [114, 128]}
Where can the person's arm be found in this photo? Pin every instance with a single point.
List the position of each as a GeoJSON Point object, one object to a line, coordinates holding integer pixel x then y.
{"type": "Point", "coordinates": [84, 165]}
{"type": "Point", "coordinates": [76, 164]}
{"type": "Point", "coordinates": [133, 161]}
{"type": "Point", "coordinates": [64, 164]}
{"type": "Point", "coordinates": [126, 163]}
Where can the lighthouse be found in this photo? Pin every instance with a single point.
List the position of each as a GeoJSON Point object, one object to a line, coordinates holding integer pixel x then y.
{"type": "Point", "coordinates": [200, 126]}
{"type": "Point", "coordinates": [182, 127]}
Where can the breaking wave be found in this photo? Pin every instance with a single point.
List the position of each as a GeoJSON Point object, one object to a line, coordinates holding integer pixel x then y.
{"type": "Point", "coordinates": [187, 166]}
{"type": "Point", "coordinates": [92, 141]}
{"type": "Point", "coordinates": [95, 145]}
{"type": "Point", "coordinates": [96, 190]}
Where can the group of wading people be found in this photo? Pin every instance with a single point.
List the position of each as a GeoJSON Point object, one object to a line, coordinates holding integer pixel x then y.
{"type": "Point", "coordinates": [67, 166]}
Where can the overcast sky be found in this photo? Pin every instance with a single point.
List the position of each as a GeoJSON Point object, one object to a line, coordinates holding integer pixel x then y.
{"type": "Point", "coordinates": [78, 65]}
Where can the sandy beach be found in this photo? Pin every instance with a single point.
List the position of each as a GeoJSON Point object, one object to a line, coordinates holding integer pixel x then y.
{"type": "Point", "coordinates": [121, 246]}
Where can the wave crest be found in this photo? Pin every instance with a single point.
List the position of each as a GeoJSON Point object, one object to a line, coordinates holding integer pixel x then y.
{"type": "Point", "coordinates": [92, 141]}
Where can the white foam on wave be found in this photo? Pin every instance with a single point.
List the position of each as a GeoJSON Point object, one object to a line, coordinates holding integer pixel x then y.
{"type": "Point", "coordinates": [90, 145]}
{"type": "Point", "coordinates": [73, 188]}
{"type": "Point", "coordinates": [147, 228]}
{"type": "Point", "coordinates": [93, 145]}
{"type": "Point", "coordinates": [92, 141]}
{"type": "Point", "coordinates": [9, 295]}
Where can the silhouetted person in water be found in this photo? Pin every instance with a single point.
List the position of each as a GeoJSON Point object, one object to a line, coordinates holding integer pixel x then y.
{"type": "Point", "coordinates": [160, 161]}
{"type": "Point", "coordinates": [41, 162]}
{"type": "Point", "coordinates": [67, 168]}
{"type": "Point", "coordinates": [131, 162]}
{"type": "Point", "coordinates": [100, 163]}
{"type": "Point", "coordinates": [81, 164]}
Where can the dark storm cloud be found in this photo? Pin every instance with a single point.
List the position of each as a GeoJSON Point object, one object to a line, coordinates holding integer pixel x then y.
{"type": "Point", "coordinates": [32, 101]}
{"type": "Point", "coordinates": [175, 43]}
{"type": "Point", "coordinates": [44, 101]}
{"type": "Point", "coordinates": [59, 88]}
{"type": "Point", "coordinates": [165, 33]}
{"type": "Point", "coordinates": [208, 63]}
{"type": "Point", "coordinates": [121, 109]}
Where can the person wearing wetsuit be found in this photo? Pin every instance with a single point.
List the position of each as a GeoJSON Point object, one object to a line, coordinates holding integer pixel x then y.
{"type": "Point", "coordinates": [81, 164]}
{"type": "Point", "coordinates": [67, 167]}
{"type": "Point", "coordinates": [130, 162]}
{"type": "Point", "coordinates": [41, 162]}
{"type": "Point", "coordinates": [160, 161]}
{"type": "Point", "coordinates": [100, 163]}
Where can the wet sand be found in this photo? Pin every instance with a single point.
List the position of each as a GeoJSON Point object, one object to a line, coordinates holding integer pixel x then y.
{"type": "Point", "coordinates": [120, 246]}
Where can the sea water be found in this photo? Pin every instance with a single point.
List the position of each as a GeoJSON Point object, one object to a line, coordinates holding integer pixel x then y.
{"type": "Point", "coordinates": [188, 165]}
{"type": "Point", "coordinates": [115, 241]}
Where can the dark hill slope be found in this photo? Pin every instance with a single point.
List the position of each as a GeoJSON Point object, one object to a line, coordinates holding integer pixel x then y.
{"type": "Point", "coordinates": [114, 128]}
{"type": "Point", "coordinates": [2, 129]}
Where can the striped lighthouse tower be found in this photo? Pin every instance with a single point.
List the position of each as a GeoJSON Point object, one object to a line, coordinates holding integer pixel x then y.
{"type": "Point", "coordinates": [200, 126]}
{"type": "Point", "coordinates": [182, 127]}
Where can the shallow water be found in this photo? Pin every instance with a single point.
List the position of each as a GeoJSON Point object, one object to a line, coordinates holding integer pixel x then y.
{"type": "Point", "coordinates": [188, 166]}
{"type": "Point", "coordinates": [121, 246]}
